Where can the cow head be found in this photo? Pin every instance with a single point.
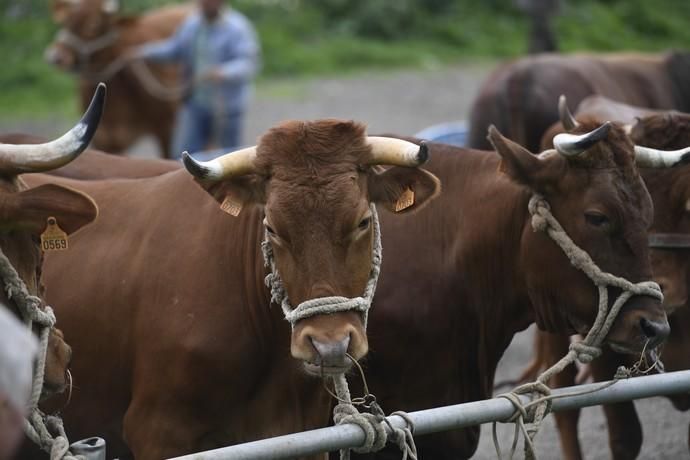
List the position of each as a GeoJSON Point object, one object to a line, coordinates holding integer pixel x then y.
{"type": "Point", "coordinates": [315, 182]}
{"type": "Point", "coordinates": [24, 213]}
{"type": "Point", "coordinates": [670, 191]}
{"type": "Point", "coordinates": [596, 193]}
{"type": "Point", "coordinates": [86, 28]}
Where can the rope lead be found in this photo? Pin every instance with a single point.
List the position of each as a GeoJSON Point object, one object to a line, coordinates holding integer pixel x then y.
{"type": "Point", "coordinates": [528, 417]}
{"type": "Point", "coordinates": [376, 428]}
{"type": "Point", "coordinates": [38, 427]}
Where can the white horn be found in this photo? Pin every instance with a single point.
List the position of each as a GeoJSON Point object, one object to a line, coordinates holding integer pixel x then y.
{"type": "Point", "coordinates": [16, 159]}
{"type": "Point", "coordinates": [237, 163]}
{"type": "Point", "coordinates": [567, 119]}
{"type": "Point", "coordinates": [653, 158]}
{"type": "Point", "coordinates": [571, 145]}
{"type": "Point", "coordinates": [396, 152]}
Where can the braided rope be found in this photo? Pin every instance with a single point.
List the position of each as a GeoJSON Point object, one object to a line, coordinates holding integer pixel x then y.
{"type": "Point", "coordinates": [528, 417]}
{"type": "Point", "coordinates": [86, 48]}
{"type": "Point", "coordinates": [38, 427]}
{"type": "Point", "coordinates": [377, 429]}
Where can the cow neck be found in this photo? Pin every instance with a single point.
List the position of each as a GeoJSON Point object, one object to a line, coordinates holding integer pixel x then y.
{"type": "Point", "coordinates": [324, 305]}
{"type": "Point", "coordinates": [29, 307]}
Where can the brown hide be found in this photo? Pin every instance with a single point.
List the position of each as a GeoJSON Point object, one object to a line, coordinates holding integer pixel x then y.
{"type": "Point", "coordinates": [521, 97]}
{"type": "Point", "coordinates": [175, 301]}
{"type": "Point", "coordinates": [132, 111]}
{"type": "Point", "coordinates": [670, 192]}
{"type": "Point", "coordinates": [442, 258]}
{"type": "Point", "coordinates": [455, 260]}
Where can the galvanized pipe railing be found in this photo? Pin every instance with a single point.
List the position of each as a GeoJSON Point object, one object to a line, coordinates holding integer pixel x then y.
{"type": "Point", "coordinates": [445, 418]}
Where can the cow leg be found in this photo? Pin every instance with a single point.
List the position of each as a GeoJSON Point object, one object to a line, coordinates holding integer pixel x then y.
{"type": "Point", "coordinates": [552, 347]}
{"type": "Point", "coordinates": [567, 421]}
{"type": "Point", "coordinates": [625, 431]}
{"type": "Point", "coordinates": [164, 136]}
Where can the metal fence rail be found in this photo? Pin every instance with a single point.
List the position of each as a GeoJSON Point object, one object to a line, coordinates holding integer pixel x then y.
{"type": "Point", "coordinates": [444, 418]}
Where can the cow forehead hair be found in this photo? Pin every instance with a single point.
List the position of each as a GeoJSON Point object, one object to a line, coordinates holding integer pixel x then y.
{"type": "Point", "coordinates": [665, 131]}
{"type": "Point", "coordinates": [313, 149]}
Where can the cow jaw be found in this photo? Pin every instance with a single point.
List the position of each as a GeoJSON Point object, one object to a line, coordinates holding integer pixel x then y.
{"type": "Point", "coordinates": [327, 344]}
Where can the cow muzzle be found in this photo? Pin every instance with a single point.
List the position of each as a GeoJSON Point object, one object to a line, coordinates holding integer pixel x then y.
{"type": "Point", "coordinates": [641, 325]}
{"type": "Point", "coordinates": [328, 344]}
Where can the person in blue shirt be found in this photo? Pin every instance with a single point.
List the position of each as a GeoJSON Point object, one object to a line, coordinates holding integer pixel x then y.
{"type": "Point", "coordinates": [219, 54]}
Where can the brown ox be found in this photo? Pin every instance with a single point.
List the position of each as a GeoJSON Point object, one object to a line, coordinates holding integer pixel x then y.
{"type": "Point", "coordinates": [487, 275]}
{"type": "Point", "coordinates": [93, 39]}
{"type": "Point", "coordinates": [520, 97]}
{"type": "Point", "coordinates": [94, 164]}
{"type": "Point", "coordinates": [196, 356]}
{"type": "Point", "coordinates": [453, 275]}
{"type": "Point", "coordinates": [670, 192]}
{"type": "Point", "coordinates": [23, 215]}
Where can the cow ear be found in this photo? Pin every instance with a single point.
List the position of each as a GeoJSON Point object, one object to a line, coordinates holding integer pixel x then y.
{"type": "Point", "coordinates": [31, 208]}
{"type": "Point", "coordinates": [403, 190]}
{"type": "Point", "coordinates": [237, 193]}
{"type": "Point", "coordinates": [524, 167]}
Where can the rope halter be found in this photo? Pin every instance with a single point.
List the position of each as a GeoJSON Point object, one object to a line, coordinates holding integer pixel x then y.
{"type": "Point", "coordinates": [324, 305]}
{"type": "Point", "coordinates": [376, 428]}
{"type": "Point", "coordinates": [85, 48]}
{"type": "Point", "coordinates": [528, 417]}
{"type": "Point", "coordinates": [38, 426]}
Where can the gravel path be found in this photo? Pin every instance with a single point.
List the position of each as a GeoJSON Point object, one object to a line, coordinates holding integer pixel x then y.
{"type": "Point", "coordinates": [404, 103]}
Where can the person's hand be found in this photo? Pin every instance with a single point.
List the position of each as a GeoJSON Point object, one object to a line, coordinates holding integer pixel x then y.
{"type": "Point", "coordinates": [212, 75]}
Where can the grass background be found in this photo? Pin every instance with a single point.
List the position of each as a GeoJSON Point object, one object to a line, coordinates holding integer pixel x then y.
{"type": "Point", "coordinates": [305, 38]}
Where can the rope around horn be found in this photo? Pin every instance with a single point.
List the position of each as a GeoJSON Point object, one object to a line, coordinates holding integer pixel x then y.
{"type": "Point", "coordinates": [46, 431]}
{"type": "Point", "coordinates": [528, 417]}
{"type": "Point", "coordinates": [377, 430]}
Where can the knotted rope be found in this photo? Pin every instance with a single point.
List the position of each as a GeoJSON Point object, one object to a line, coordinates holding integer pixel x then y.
{"type": "Point", "coordinates": [528, 417]}
{"type": "Point", "coordinates": [38, 427]}
{"type": "Point", "coordinates": [376, 427]}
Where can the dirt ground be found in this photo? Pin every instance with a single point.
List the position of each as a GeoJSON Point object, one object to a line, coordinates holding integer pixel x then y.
{"type": "Point", "coordinates": [404, 103]}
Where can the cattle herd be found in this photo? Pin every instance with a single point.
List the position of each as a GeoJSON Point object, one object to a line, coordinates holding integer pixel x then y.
{"type": "Point", "coordinates": [170, 332]}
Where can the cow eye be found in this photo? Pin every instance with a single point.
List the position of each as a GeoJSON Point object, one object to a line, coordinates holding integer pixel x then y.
{"type": "Point", "coordinates": [597, 219]}
{"type": "Point", "coordinates": [364, 223]}
{"type": "Point", "coordinates": [269, 229]}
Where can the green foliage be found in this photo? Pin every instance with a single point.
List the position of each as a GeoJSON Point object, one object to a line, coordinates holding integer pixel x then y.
{"type": "Point", "coordinates": [314, 37]}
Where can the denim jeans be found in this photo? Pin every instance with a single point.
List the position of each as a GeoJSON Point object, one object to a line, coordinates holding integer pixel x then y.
{"type": "Point", "coordinates": [198, 128]}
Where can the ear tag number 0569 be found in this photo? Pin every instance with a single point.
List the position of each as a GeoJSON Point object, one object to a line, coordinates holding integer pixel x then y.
{"type": "Point", "coordinates": [53, 237]}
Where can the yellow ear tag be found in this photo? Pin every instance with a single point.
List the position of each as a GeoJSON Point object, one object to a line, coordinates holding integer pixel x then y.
{"type": "Point", "coordinates": [53, 237]}
{"type": "Point", "coordinates": [231, 206]}
{"type": "Point", "coordinates": [405, 200]}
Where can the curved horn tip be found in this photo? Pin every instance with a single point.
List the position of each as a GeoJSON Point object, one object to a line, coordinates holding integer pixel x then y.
{"type": "Point", "coordinates": [423, 153]}
{"type": "Point", "coordinates": [684, 159]}
{"type": "Point", "coordinates": [194, 167]}
{"type": "Point", "coordinates": [92, 116]}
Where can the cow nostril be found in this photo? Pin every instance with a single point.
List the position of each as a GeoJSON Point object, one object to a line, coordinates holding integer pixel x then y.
{"type": "Point", "coordinates": [331, 352]}
{"type": "Point", "coordinates": [655, 332]}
